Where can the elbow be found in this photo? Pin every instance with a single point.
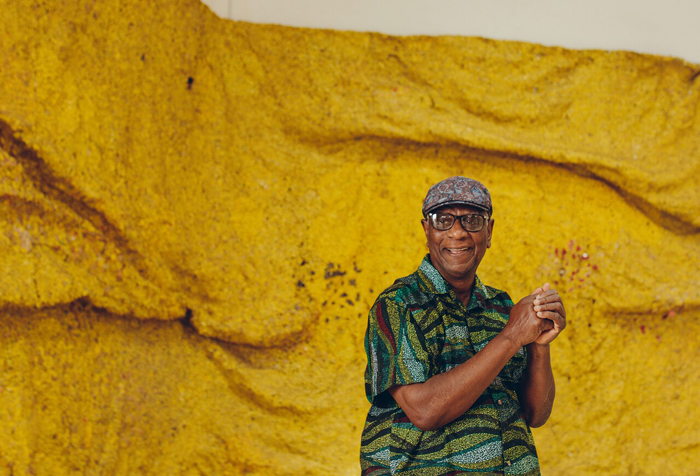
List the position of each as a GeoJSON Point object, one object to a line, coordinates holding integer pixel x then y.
{"type": "Point", "coordinates": [534, 420]}
{"type": "Point", "coordinates": [424, 422]}
{"type": "Point", "coordinates": [536, 423]}
{"type": "Point", "coordinates": [422, 416]}
{"type": "Point", "coordinates": [422, 410]}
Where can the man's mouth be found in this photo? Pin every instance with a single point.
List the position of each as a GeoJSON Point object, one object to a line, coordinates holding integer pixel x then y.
{"type": "Point", "coordinates": [458, 251]}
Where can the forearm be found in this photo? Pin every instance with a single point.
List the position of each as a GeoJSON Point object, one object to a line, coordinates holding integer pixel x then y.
{"type": "Point", "coordinates": [447, 396]}
{"type": "Point", "coordinates": [537, 389]}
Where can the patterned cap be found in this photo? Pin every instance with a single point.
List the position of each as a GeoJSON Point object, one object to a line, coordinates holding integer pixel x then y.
{"type": "Point", "coordinates": [457, 191]}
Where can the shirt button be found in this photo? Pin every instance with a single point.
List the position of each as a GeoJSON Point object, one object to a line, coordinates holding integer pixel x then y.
{"type": "Point", "coordinates": [508, 463]}
{"type": "Point", "coordinates": [500, 402]}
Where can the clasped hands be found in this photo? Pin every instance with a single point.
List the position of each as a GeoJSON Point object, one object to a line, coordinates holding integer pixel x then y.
{"type": "Point", "coordinates": [537, 318]}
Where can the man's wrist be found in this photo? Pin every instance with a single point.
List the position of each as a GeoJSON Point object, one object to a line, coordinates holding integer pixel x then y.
{"type": "Point", "coordinates": [538, 350]}
{"type": "Point", "coordinates": [509, 341]}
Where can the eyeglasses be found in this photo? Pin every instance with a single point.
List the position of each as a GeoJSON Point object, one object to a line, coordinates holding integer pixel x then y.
{"type": "Point", "coordinates": [445, 221]}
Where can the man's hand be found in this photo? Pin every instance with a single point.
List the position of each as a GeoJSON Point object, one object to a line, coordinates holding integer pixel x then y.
{"type": "Point", "coordinates": [524, 326]}
{"type": "Point", "coordinates": [548, 305]}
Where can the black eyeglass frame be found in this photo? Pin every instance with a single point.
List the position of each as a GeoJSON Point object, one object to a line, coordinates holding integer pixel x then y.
{"type": "Point", "coordinates": [433, 216]}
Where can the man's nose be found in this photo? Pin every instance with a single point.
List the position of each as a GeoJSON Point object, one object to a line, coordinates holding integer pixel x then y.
{"type": "Point", "coordinates": [457, 231]}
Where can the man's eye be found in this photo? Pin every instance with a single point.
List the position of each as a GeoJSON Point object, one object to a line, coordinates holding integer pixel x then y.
{"type": "Point", "coordinates": [473, 219]}
{"type": "Point", "coordinates": [444, 218]}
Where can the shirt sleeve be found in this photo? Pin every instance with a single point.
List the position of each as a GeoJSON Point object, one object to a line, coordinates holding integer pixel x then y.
{"type": "Point", "coordinates": [396, 349]}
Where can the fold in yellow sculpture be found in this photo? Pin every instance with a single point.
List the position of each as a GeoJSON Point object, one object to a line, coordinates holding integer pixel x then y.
{"type": "Point", "coordinates": [197, 214]}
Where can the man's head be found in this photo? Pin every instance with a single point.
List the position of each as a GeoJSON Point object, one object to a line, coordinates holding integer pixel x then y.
{"type": "Point", "coordinates": [457, 191]}
{"type": "Point", "coordinates": [458, 227]}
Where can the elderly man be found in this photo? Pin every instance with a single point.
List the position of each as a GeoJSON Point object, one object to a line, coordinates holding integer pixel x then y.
{"type": "Point", "coordinates": [457, 374]}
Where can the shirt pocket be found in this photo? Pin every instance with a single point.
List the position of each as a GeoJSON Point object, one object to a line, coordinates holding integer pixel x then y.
{"type": "Point", "coordinates": [457, 347]}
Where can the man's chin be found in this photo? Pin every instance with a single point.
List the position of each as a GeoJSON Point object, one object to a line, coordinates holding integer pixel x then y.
{"type": "Point", "coordinates": [458, 272]}
{"type": "Point", "coordinates": [459, 262]}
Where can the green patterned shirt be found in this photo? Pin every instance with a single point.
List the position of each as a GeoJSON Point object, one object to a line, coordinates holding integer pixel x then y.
{"type": "Point", "coordinates": [419, 328]}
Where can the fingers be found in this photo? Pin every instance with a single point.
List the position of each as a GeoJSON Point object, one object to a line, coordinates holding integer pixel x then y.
{"type": "Point", "coordinates": [556, 306]}
{"type": "Point", "coordinates": [548, 296]}
{"type": "Point", "coordinates": [545, 325]}
{"type": "Point", "coordinates": [554, 317]}
{"type": "Point", "coordinates": [541, 289]}
{"type": "Point", "coordinates": [548, 305]}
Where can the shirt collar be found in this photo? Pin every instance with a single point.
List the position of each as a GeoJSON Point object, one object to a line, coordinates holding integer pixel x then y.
{"type": "Point", "coordinates": [431, 281]}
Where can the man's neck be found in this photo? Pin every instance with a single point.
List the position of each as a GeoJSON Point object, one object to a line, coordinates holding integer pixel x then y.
{"type": "Point", "coordinates": [463, 289]}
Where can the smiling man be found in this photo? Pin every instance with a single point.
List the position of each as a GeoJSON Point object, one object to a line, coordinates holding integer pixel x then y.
{"type": "Point", "coordinates": [457, 374]}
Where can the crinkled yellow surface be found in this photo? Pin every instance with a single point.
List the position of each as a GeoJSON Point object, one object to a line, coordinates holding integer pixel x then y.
{"type": "Point", "coordinates": [198, 213]}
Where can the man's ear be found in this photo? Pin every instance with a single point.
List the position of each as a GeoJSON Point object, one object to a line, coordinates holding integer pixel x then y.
{"type": "Point", "coordinates": [489, 229]}
{"type": "Point", "coordinates": [426, 227]}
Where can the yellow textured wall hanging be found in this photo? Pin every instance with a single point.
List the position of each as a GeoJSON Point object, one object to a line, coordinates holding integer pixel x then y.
{"type": "Point", "coordinates": [197, 215]}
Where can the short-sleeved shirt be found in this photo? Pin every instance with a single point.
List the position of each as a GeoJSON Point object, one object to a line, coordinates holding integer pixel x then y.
{"type": "Point", "coordinates": [418, 328]}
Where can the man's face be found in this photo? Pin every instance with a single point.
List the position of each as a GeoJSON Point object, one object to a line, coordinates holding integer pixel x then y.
{"type": "Point", "coordinates": [456, 253]}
